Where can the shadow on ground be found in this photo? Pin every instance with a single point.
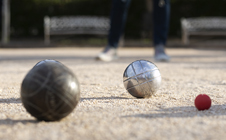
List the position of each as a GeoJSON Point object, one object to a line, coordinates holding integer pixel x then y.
{"type": "Point", "coordinates": [121, 58]}
{"type": "Point", "coordinates": [10, 100]}
{"type": "Point", "coordinates": [13, 122]}
{"type": "Point", "coordinates": [103, 98]}
{"type": "Point", "coordinates": [182, 112]}
{"type": "Point", "coordinates": [18, 58]}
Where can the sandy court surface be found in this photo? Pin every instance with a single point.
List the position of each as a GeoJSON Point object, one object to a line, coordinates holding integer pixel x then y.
{"type": "Point", "coordinates": [106, 111]}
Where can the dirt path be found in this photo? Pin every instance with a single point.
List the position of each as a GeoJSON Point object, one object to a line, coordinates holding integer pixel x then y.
{"type": "Point", "coordinates": [106, 111]}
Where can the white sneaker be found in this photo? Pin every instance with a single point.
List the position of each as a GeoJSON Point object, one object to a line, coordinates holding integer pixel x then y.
{"type": "Point", "coordinates": [108, 54]}
{"type": "Point", "coordinates": [160, 55]}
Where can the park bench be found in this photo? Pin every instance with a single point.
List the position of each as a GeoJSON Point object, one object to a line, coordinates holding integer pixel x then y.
{"type": "Point", "coordinates": [92, 25]}
{"type": "Point", "coordinates": [202, 26]}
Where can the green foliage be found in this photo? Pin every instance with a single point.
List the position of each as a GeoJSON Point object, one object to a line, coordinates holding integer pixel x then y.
{"type": "Point", "coordinates": [27, 15]}
{"type": "Point", "coordinates": [194, 8]}
{"type": "Point", "coordinates": [55, 1]}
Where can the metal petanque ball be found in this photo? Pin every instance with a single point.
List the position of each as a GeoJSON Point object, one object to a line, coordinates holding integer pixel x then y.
{"type": "Point", "coordinates": [50, 91]}
{"type": "Point", "coordinates": [142, 78]}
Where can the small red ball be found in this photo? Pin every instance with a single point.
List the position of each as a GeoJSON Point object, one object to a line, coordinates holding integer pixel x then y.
{"type": "Point", "coordinates": [202, 102]}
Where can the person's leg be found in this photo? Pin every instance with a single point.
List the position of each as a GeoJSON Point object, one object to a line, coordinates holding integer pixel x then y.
{"type": "Point", "coordinates": [161, 17]}
{"type": "Point", "coordinates": [118, 20]}
{"type": "Point", "coordinates": [117, 23]}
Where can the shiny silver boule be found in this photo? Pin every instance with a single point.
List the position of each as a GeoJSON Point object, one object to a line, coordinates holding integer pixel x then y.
{"type": "Point", "coordinates": [142, 78]}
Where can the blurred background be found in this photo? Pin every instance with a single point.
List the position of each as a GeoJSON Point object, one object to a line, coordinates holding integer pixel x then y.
{"type": "Point", "coordinates": [26, 18]}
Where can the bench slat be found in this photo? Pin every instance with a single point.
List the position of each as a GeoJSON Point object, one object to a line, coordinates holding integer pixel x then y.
{"type": "Point", "coordinates": [75, 25]}
{"type": "Point", "coordinates": [202, 26]}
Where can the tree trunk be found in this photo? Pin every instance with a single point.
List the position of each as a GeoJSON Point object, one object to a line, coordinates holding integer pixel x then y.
{"type": "Point", "coordinates": [5, 21]}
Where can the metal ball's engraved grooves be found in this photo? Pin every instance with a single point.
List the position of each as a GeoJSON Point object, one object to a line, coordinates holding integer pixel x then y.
{"type": "Point", "coordinates": [144, 82]}
{"type": "Point", "coordinates": [142, 78]}
{"type": "Point", "coordinates": [136, 78]}
{"type": "Point", "coordinates": [50, 91]}
{"type": "Point", "coordinates": [43, 84]}
{"type": "Point", "coordinates": [140, 74]}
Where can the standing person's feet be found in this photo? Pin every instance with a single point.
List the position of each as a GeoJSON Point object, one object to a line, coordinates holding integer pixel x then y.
{"type": "Point", "coordinates": [160, 55]}
{"type": "Point", "coordinates": [108, 54]}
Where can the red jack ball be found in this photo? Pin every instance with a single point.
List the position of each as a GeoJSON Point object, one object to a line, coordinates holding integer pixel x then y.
{"type": "Point", "coordinates": [202, 102]}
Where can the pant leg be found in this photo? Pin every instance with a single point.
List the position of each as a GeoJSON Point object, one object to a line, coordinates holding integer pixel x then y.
{"type": "Point", "coordinates": [118, 19]}
{"type": "Point", "coordinates": [161, 17]}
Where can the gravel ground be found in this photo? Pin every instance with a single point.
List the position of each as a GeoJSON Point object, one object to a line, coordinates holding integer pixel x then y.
{"type": "Point", "coordinates": [106, 111]}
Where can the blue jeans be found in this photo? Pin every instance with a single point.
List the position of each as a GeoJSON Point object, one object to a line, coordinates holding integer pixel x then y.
{"type": "Point", "coordinates": [161, 16]}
